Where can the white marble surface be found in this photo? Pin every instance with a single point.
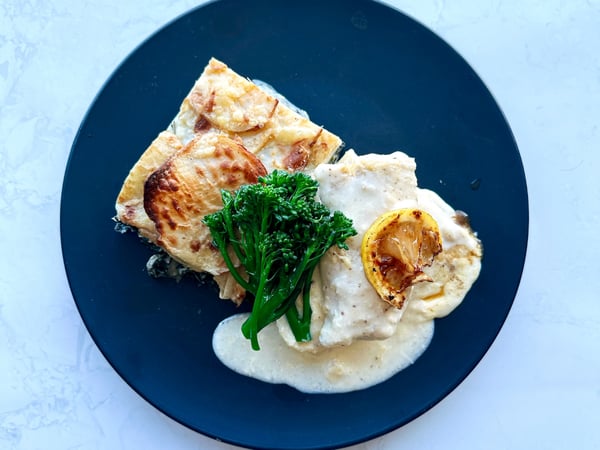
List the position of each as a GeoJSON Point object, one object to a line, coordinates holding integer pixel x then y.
{"type": "Point", "coordinates": [538, 386]}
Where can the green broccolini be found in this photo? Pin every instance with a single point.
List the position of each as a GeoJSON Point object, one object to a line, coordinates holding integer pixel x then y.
{"type": "Point", "coordinates": [279, 232]}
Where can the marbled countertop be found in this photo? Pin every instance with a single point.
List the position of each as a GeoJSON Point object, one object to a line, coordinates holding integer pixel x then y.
{"type": "Point", "coordinates": [537, 387]}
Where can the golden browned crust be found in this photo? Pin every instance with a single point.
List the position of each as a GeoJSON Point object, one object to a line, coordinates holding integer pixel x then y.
{"type": "Point", "coordinates": [130, 201]}
{"type": "Point", "coordinates": [187, 187]}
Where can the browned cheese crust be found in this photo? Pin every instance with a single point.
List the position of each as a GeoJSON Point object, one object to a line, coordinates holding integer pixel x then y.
{"type": "Point", "coordinates": [130, 202]}
{"type": "Point", "coordinates": [187, 187]}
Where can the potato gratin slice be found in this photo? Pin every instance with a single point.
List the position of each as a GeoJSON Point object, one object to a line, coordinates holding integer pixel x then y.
{"type": "Point", "coordinates": [396, 248]}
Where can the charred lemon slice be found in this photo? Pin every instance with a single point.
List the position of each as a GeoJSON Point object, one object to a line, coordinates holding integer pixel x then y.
{"type": "Point", "coordinates": [396, 248]}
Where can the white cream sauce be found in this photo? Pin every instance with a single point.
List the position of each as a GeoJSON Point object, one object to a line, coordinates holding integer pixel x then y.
{"type": "Point", "coordinates": [333, 370]}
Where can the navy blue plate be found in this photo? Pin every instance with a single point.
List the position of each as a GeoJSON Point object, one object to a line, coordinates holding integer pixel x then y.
{"type": "Point", "coordinates": [366, 72]}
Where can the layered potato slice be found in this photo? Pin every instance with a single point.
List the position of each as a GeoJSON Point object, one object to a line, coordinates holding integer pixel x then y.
{"type": "Point", "coordinates": [187, 187]}
{"type": "Point", "coordinates": [228, 131]}
{"type": "Point", "coordinates": [130, 201]}
{"type": "Point", "coordinates": [223, 101]}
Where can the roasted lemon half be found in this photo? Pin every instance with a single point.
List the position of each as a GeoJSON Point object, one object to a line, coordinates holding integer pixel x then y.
{"type": "Point", "coordinates": [396, 248]}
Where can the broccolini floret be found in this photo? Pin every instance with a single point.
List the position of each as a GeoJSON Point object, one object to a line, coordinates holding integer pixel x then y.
{"type": "Point", "coordinates": [279, 232]}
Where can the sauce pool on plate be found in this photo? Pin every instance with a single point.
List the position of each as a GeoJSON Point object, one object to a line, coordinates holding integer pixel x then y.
{"type": "Point", "coordinates": [362, 364]}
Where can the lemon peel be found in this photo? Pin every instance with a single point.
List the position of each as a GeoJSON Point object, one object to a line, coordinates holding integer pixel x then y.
{"type": "Point", "coordinates": [396, 248]}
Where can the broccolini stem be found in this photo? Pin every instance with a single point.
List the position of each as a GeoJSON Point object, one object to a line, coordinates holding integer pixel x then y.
{"type": "Point", "coordinates": [287, 292]}
{"type": "Point", "coordinates": [229, 226]}
{"type": "Point", "coordinates": [250, 327]}
{"type": "Point", "coordinates": [306, 308]}
{"type": "Point", "coordinates": [300, 326]}
{"type": "Point", "coordinates": [222, 246]}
